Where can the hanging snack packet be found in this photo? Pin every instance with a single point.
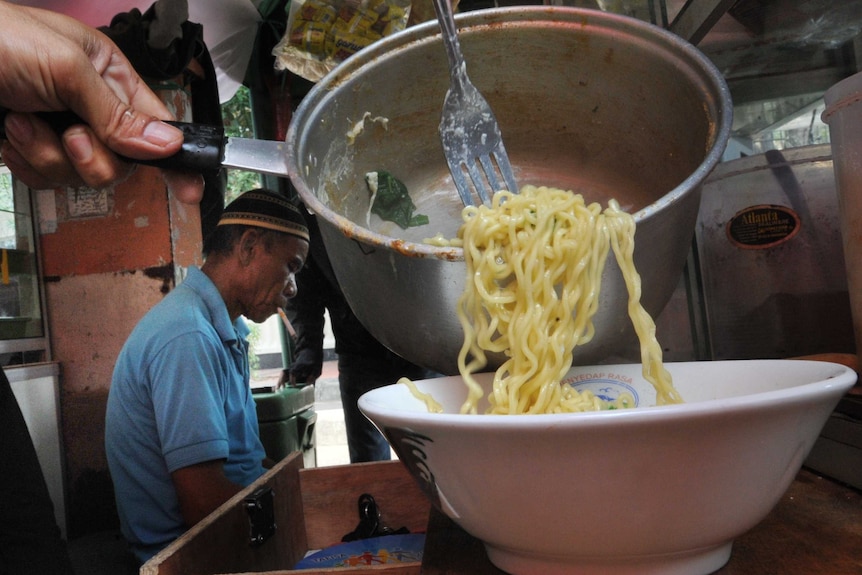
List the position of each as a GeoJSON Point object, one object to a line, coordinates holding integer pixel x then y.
{"type": "Point", "coordinates": [323, 33]}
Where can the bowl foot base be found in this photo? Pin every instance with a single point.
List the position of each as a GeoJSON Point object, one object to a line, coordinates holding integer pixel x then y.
{"type": "Point", "coordinates": [699, 562]}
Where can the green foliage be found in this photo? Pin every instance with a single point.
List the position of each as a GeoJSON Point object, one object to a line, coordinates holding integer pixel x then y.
{"type": "Point", "coordinates": [7, 194]}
{"type": "Point", "coordinates": [237, 117]}
{"type": "Point", "coordinates": [253, 340]}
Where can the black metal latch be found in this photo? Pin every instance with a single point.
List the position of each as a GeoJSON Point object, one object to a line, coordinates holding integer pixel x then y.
{"type": "Point", "coordinates": [261, 515]}
{"type": "Point", "coordinates": [369, 522]}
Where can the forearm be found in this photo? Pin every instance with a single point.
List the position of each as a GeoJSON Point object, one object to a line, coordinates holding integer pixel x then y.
{"type": "Point", "coordinates": [201, 489]}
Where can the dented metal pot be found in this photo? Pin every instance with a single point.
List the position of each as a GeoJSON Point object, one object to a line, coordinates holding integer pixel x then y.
{"type": "Point", "coordinates": [601, 104]}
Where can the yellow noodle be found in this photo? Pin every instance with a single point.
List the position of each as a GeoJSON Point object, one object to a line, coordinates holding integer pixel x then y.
{"type": "Point", "coordinates": [534, 266]}
{"type": "Point", "coordinates": [442, 241]}
{"type": "Point", "coordinates": [431, 404]}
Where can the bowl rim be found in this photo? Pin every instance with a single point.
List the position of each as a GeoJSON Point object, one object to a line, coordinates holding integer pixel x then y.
{"type": "Point", "coordinates": [836, 383]}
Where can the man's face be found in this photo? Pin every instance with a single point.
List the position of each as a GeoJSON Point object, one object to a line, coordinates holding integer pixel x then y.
{"type": "Point", "coordinates": [270, 277]}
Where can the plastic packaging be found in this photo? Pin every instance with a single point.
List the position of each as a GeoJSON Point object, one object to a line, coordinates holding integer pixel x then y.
{"type": "Point", "coordinates": [323, 33]}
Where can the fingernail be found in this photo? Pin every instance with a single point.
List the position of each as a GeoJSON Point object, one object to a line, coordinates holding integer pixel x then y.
{"type": "Point", "coordinates": [78, 144]}
{"type": "Point", "coordinates": [161, 134]}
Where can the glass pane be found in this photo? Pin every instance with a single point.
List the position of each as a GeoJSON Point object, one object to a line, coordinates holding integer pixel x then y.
{"type": "Point", "coordinates": [20, 301]}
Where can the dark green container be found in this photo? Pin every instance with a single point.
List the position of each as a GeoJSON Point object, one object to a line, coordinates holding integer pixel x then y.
{"type": "Point", "coordinates": [287, 419]}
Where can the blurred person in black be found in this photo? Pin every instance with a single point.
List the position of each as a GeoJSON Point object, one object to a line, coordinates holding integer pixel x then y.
{"type": "Point", "coordinates": [363, 362]}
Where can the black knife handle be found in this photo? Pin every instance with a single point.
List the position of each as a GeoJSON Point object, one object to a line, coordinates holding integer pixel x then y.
{"type": "Point", "coordinates": [202, 149]}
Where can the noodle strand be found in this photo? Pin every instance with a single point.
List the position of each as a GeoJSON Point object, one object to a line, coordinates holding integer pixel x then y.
{"type": "Point", "coordinates": [534, 267]}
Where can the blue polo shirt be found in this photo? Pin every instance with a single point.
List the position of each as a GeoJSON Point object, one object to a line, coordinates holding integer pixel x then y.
{"type": "Point", "coordinates": [179, 396]}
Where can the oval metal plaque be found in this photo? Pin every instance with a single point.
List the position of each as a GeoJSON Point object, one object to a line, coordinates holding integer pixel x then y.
{"type": "Point", "coordinates": [763, 226]}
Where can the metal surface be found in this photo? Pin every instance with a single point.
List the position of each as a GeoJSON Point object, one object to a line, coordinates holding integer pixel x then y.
{"type": "Point", "coordinates": [696, 18]}
{"type": "Point", "coordinates": [264, 156]}
{"type": "Point", "coordinates": [778, 56]}
{"type": "Point", "coordinates": [469, 132]}
{"type": "Point", "coordinates": [787, 296]}
{"type": "Point", "coordinates": [600, 104]}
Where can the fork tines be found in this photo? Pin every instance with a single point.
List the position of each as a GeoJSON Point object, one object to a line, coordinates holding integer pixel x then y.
{"type": "Point", "coordinates": [488, 174]}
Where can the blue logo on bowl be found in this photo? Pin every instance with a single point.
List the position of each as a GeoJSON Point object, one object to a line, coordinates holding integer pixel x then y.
{"type": "Point", "coordinates": [604, 388]}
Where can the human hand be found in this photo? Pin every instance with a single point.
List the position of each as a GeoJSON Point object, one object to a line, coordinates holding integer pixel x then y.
{"type": "Point", "coordinates": [52, 62]}
{"type": "Point", "coordinates": [307, 380]}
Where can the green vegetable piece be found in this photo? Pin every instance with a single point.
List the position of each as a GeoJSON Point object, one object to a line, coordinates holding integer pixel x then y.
{"type": "Point", "coordinates": [392, 202]}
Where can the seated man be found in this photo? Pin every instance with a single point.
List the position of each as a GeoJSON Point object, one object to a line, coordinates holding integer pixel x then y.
{"type": "Point", "coordinates": [181, 429]}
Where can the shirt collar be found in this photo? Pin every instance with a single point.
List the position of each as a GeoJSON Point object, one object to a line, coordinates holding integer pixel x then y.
{"type": "Point", "coordinates": [228, 331]}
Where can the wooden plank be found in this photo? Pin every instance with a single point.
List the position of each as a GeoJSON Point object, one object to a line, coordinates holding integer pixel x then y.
{"type": "Point", "coordinates": [330, 497]}
{"type": "Point", "coordinates": [406, 569]}
{"type": "Point", "coordinates": [314, 508]}
{"type": "Point", "coordinates": [815, 528]}
{"type": "Point", "coordinates": [220, 542]}
{"type": "Point", "coordinates": [449, 550]}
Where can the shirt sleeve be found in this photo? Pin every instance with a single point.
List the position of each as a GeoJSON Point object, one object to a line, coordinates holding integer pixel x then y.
{"type": "Point", "coordinates": [188, 394]}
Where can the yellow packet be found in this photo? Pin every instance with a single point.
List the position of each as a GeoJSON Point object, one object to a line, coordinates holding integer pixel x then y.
{"type": "Point", "coordinates": [349, 25]}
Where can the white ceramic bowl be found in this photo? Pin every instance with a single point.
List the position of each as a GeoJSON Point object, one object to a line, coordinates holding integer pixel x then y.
{"type": "Point", "coordinates": [642, 491]}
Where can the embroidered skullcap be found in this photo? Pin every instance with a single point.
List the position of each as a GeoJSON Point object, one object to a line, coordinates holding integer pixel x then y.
{"type": "Point", "coordinates": [265, 209]}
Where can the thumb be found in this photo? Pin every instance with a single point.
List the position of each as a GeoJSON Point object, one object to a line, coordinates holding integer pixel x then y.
{"type": "Point", "coordinates": [104, 89]}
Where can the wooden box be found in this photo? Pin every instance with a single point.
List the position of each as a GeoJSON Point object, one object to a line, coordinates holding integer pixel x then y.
{"type": "Point", "coordinates": [815, 528]}
{"type": "Point", "coordinates": [313, 509]}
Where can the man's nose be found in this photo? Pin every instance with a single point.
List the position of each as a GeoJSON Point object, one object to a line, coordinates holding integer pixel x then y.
{"type": "Point", "coordinates": [290, 288]}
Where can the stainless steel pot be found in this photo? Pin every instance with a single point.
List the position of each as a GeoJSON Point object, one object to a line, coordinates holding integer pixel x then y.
{"type": "Point", "coordinates": [601, 104]}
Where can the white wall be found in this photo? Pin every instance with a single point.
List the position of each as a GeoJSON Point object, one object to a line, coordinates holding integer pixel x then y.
{"type": "Point", "coordinates": [36, 389]}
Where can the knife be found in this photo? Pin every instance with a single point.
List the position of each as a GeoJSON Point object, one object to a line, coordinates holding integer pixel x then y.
{"type": "Point", "coordinates": [205, 148]}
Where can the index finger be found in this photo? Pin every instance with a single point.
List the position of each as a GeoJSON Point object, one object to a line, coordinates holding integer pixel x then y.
{"type": "Point", "coordinates": [97, 82]}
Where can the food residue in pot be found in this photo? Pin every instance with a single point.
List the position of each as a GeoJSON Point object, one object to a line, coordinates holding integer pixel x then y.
{"type": "Point", "coordinates": [359, 126]}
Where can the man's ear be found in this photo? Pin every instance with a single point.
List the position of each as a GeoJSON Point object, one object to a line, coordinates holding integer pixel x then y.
{"type": "Point", "coordinates": [249, 243]}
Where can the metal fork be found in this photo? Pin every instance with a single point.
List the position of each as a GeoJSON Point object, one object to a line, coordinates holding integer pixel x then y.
{"type": "Point", "coordinates": [468, 129]}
